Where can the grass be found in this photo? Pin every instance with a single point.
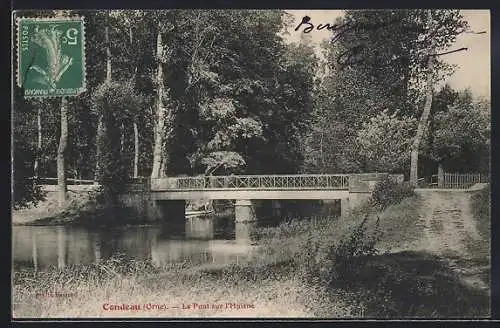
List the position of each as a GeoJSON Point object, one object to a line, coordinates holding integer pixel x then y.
{"type": "Point", "coordinates": [410, 285]}
{"type": "Point", "coordinates": [480, 264]}
{"type": "Point", "coordinates": [48, 211]}
{"type": "Point", "coordinates": [273, 292]}
{"type": "Point", "coordinates": [81, 209]}
{"type": "Point", "coordinates": [297, 272]}
{"type": "Point", "coordinates": [481, 209]}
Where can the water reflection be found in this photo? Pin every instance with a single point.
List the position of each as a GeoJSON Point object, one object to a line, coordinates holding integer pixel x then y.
{"type": "Point", "coordinates": [199, 241]}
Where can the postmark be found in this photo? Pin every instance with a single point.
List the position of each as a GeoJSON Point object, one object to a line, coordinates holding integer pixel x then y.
{"type": "Point", "coordinates": [51, 56]}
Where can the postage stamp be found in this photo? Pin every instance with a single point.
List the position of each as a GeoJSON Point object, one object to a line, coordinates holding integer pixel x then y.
{"type": "Point", "coordinates": [51, 56]}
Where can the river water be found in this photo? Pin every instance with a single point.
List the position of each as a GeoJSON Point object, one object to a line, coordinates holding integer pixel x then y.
{"type": "Point", "coordinates": [201, 240]}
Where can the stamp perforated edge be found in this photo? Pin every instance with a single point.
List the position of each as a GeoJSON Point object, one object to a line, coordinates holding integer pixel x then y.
{"type": "Point", "coordinates": [52, 19]}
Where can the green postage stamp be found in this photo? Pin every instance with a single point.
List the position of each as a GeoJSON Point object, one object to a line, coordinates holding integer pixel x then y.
{"type": "Point", "coordinates": [51, 56]}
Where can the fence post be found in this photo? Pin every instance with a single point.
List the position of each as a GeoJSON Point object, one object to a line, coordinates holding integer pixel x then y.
{"type": "Point", "coordinates": [440, 176]}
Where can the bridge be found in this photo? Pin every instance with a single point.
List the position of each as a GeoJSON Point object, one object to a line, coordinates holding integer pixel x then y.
{"type": "Point", "coordinates": [165, 198]}
{"type": "Point", "coordinates": [350, 189]}
{"type": "Point", "coordinates": [242, 187]}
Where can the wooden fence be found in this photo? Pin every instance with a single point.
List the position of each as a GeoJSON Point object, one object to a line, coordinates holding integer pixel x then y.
{"type": "Point", "coordinates": [454, 180]}
{"type": "Point", "coordinates": [69, 181]}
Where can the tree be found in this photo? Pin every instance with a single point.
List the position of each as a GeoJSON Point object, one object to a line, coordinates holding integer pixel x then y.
{"type": "Point", "coordinates": [164, 113]}
{"type": "Point", "coordinates": [26, 191]}
{"type": "Point", "coordinates": [113, 99]}
{"type": "Point", "coordinates": [384, 143]}
{"type": "Point", "coordinates": [100, 123]}
{"type": "Point", "coordinates": [61, 153]}
{"type": "Point", "coordinates": [459, 139]}
{"type": "Point", "coordinates": [382, 60]}
{"type": "Point", "coordinates": [440, 28]}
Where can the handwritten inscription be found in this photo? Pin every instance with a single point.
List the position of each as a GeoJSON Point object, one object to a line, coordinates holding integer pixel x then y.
{"type": "Point", "coordinates": [338, 29]}
{"type": "Point", "coordinates": [353, 54]}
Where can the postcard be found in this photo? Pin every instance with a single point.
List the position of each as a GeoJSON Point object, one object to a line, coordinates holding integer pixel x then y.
{"type": "Point", "coordinates": [234, 163]}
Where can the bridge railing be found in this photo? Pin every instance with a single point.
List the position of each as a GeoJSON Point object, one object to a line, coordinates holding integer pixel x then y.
{"type": "Point", "coordinates": [310, 181]}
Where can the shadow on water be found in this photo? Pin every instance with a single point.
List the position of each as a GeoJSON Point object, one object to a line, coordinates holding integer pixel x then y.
{"type": "Point", "coordinates": [197, 240]}
{"type": "Point", "coordinates": [415, 283]}
{"type": "Point", "coordinates": [214, 239]}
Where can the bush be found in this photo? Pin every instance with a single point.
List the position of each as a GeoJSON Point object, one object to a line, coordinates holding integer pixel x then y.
{"type": "Point", "coordinates": [323, 259]}
{"type": "Point", "coordinates": [481, 209]}
{"type": "Point", "coordinates": [389, 192]}
{"type": "Point", "coordinates": [481, 203]}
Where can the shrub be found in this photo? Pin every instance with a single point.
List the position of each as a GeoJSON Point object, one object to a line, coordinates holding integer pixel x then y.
{"type": "Point", "coordinates": [481, 209]}
{"type": "Point", "coordinates": [323, 259]}
{"type": "Point", "coordinates": [481, 203]}
{"type": "Point", "coordinates": [389, 192]}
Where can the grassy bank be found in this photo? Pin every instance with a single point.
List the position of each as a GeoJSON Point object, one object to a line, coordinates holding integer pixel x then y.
{"type": "Point", "coordinates": [361, 265]}
{"type": "Point", "coordinates": [269, 290]}
{"type": "Point", "coordinates": [82, 208]}
{"type": "Point", "coordinates": [480, 264]}
{"type": "Point", "coordinates": [481, 209]}
{"type": "Point", "coordinates": [366, 261]}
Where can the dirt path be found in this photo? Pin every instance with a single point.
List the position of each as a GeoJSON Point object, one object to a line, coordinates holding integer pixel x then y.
{"type": "Point", "coordinates": [448, 227]}
{"type": "Point", "coordinates": [447, 220]}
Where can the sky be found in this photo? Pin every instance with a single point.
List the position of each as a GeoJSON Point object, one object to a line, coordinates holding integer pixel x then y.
{"type": "Point", "coordinates": [474, 65]}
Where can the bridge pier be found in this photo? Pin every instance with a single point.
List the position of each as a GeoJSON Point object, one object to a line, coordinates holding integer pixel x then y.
{"type": "Point", "coordinates": [244, 211]}
{"type": "Point", "coordinates": [246, 221]}
{"type": "Point", "coordinates": [344, 207]}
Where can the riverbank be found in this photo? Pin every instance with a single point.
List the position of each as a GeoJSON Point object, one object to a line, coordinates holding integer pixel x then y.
{"type": "Point", "coordinates": [48, 211]}
{"type": "Point", "coordinates": [81, 209]}
{"type": "Point", "coordinates": [368, 264]}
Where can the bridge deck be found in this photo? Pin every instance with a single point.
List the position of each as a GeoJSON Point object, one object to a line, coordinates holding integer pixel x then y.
{"type": "Point", "coordinates": [253, 182]}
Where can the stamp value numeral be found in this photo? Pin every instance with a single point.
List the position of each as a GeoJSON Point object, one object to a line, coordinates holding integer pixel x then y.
{"type": "Point", "coordinates": [71, 36]}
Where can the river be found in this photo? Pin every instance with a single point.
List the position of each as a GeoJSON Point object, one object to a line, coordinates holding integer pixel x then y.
{"type": "Point", "coordinates": [201, 240]}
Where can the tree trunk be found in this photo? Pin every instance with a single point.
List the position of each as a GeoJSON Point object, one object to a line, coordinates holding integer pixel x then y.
{"type": "Point", "coordinates": [136, 128]}
{"type": "Point", "coordinates": [136, 150]}
{"type": "Point", "coordinates": [39, 143]}
{"type": "Point", "coordinates": [440, 176]}
{"type": "Point", "coordinates": [422, 124]}
{"type": "Point", "coordinates": [61, 151]}
{"type": "Point", "coordinates": [122, 140]}
{"type": "Point", "coordinates": [160, 112]}
{"type": "Point", "coordinates": [99, 136]}
{"type": "Point", "coordinates": [108, 54]}
{"type": "Point", "coordinates": [100, 124]}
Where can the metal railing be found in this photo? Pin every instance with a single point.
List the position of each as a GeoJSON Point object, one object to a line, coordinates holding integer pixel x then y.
{"type": "Point", "coordinates": [69, 181]}
{"type": "Point", "coordinates": [310, 181]}
{"type": "Point", "coordinates": [462, 180]}
{"type": "Point", "coordinates": [454, 180]}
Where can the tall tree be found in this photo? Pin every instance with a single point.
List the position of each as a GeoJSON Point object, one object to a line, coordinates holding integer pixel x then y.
{"type": "Point", "coordinates": [380, 61]}
{"type": "Point", "coordinates": [100, 122]}
{"type": "Point", "coordinates": [164, 115]}
{"type": "Point", "coordinates": [61, 154]}
{"type": "Point", "coordinates": [439, 31]}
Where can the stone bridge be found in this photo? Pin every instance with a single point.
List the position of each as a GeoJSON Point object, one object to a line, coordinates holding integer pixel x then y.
{"type": "Point", "coordinates": [171, 193]}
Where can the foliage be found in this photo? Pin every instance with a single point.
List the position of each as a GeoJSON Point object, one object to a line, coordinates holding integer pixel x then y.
{"type": "Point", "coordinates": [26, 190]}
{"type": "Point", "coordinates": [376, 64]}
{"type": "Point", "coordinates": [389, 192]}
{"type": "Point", "coordinates": [481, 208]}
{"type": "Point", "coordinates": [460, 134]}
{"type": "Point", "coordinates": [240, 88]}
{"type": "Point", "coordinates": [115, 100]}
{"type": "Point", "coordinates": [227, 161]}
{"type": "Point", "coordinates": [326, 260]}
{"type": "Point", "coordinates": [384, 143]}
